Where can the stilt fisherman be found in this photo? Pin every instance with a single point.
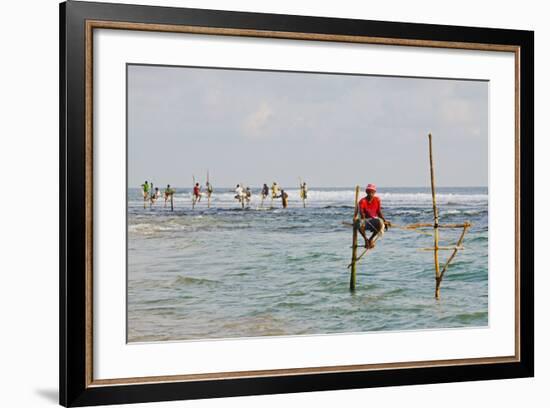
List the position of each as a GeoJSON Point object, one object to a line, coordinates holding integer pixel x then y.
{"type": "Point", "coordinates": [372, 218]}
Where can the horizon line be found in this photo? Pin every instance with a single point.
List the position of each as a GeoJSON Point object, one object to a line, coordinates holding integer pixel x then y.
{"type": "Point", "coordinates": [312, 186]}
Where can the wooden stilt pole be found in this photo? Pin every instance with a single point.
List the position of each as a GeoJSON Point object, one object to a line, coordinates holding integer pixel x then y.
{"type": "Point", "coordinates": [354, 242]}
{"type": "Point", "coordinates": [436, 224]}
{"type": "Point", "coordinates": [172, 202]}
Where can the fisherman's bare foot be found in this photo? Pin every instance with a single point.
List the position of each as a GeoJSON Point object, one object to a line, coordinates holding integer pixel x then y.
{"type": "Point", "coordinates": [370, 244]}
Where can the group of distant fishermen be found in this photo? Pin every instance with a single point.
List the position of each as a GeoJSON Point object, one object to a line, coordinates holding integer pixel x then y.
{"type": "Point", "coordinates": [197, 192]}
{"type": "Point", "coordinates": [242, 194]}
{"type": "Point", "coordinates": [152, 194]}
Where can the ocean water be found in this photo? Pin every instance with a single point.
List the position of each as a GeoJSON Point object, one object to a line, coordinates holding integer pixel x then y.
{"type": "Point", "coordinates": [226, 272]}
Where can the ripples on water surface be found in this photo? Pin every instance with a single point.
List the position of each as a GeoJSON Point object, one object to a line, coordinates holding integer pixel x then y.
{"type": "Point", "coordinates": [225, 272]}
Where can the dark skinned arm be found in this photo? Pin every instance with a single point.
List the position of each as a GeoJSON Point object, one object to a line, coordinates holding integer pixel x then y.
{"type": "Point", "coordinates": [386, 223]}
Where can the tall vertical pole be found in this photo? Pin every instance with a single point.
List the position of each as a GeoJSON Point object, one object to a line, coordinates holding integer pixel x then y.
{"type": "Point", "coordinates": [354, 241]}
{"type": "Point", "coordinates": [436, 224]}
{"type": "Point", "coordinates": [172, 201]}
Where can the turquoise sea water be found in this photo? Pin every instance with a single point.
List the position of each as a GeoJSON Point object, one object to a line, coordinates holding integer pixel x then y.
{"type": "Point", "coordinates": [226, 272]}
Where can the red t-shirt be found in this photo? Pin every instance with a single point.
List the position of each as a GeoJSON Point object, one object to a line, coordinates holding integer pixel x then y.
{"type": "Point", "coordinates": [370, 210]}
{"type": "Point", "coordinates": [196, 190]}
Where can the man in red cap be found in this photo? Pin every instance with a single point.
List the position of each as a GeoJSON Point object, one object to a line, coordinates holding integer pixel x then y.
{"type": "Point", "coordinates": [372, 219]}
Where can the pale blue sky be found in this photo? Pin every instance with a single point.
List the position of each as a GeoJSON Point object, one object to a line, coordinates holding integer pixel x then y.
{"type": "Point", "coordinates": [330, 129]}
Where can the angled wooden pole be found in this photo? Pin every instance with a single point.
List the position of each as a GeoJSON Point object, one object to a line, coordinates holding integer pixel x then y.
{"type": "Point", "coordinates": [358, 258]}
{"type": "Point", "coordinates": [354, 241]}
{"type": "Point", "coordinates": [458, 244]}
{"type": "Point", "coordinates": [436, 223]}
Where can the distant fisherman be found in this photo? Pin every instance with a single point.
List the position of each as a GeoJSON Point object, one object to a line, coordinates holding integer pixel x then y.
{"type": "Point", "coordinates": [239, 192]}
{"type": "Point", "coordinates": [155, 196]}
{"type": "Point", "coordinates": [372, 219]}
{"type": "Point", "coordinates": [265, 191]}
{"type": "Point", "coordinates": [168, 193]}
{"type": "Point", "coordinates": [284, 198]}
{"type": "Point", "coordinates": [274, 190]}
{"type": "Point", "coordinates": [197, 193]}
{"type": "Point", "coordinates": [209, 189]}
{"type": "Point", "coordinates": [303, 191]}
{"type": "Point", "coordinates": [248, 194]}
{"type": "Point", "coordinates": [145, 190]}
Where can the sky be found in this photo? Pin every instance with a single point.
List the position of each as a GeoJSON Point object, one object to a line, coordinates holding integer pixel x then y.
{"type": "Point", "coordinates": [331, 130]}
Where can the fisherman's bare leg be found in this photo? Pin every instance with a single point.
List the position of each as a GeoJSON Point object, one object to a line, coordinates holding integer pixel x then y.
{"type": "Point", "coordinates": [372, 240]}
{"type": "Point", "coordinates": [362, 230]}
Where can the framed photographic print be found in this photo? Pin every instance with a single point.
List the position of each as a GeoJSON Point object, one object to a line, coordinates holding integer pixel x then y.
{"type": "Point", "coordinates": [256, 203]}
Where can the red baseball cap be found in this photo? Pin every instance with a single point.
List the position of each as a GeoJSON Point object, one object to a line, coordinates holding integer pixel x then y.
{"type": "Point", "coordinates": [371, 187]}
